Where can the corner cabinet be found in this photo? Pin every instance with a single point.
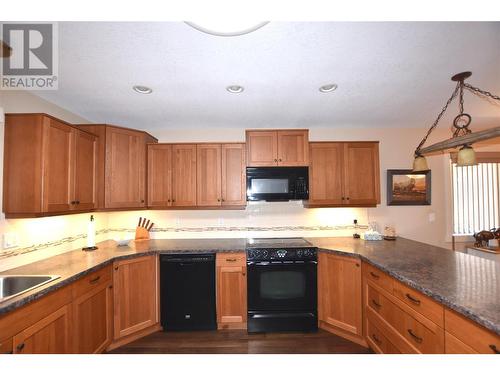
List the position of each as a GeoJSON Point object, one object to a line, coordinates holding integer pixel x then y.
{"type": "Point", "coordinates": [135, 294]}
{"type": "Point", "coordinates": [339, 290]}
{"type": "Point", "coordinates": [56, 171]}
{"type": "Point", "coordinates": [231, 290]}
{"type": "Point", "coordinates": [121, 166]}
{"type": "Point", "coordinates": [344, 174]}
{"type": "Point", "coordinates": [269, 148]}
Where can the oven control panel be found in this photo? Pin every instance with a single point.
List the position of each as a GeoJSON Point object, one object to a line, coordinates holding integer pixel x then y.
{"type": "Point", "coordinates": [308, 253]}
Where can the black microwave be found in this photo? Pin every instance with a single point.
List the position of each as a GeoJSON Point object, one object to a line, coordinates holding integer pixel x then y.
{"type": "Point", "coordinates": [277, 183]}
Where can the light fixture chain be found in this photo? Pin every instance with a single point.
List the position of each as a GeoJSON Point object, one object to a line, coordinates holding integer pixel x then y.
{"type": "Point", "coordinates": [453, 95]}
{"type": "Point", "coordinates": [476, 90]}
{"type": "Point", "coordinates": [461, 107]}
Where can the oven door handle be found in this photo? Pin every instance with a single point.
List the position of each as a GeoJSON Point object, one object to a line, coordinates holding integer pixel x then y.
{"type": "Point", "coordinates": [281, 263]}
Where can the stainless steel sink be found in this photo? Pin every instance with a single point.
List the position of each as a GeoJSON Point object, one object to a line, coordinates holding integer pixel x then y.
{"type": "Point", "coordinates": [13, 285]}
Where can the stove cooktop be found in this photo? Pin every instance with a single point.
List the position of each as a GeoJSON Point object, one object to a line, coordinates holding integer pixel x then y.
{"type": "Point", "coordinates": [272, 243]}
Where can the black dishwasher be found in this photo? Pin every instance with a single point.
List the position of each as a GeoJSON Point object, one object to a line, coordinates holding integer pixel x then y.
{"type": "Point", "coordinates": [187, 292]}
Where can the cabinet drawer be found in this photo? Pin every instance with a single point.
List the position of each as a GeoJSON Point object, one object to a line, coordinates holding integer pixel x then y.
{"type": "Point", "coordinates": [471, 334]}
{"type": "Point", "coordinates": [378, 277]}
{"type": "Point", "coordinates": [420, 303]}
{"type": "Point", "coordinates": [452, 345]}
{"type": "Point", "coordinates": [91, 281]}
{"type": "Point", "coordinates": [379, 341]}
{"type": "Point", "coordinates": [6, 346]}
{"type": "Point", "coordinates": [231, 259]}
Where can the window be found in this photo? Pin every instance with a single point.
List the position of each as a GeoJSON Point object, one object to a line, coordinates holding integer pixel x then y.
{"type": "Point", "coordinates": [476, 195]}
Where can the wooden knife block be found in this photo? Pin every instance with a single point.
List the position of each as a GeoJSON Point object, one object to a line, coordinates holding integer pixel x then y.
{"type": "Point", "coordinates": [141, 234]}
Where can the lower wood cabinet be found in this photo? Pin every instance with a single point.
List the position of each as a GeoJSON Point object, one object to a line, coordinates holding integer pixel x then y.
{"type": "Point", "coordinates": [339, 290]}
{"type": "Point", "coordinates": [93, 312]}
{"type": "Point", "coordinates": [51, 335]}
{"type": "Point", "coordinates": [135, 293]}
{"type": "Point", "coordinates": [231, 291]}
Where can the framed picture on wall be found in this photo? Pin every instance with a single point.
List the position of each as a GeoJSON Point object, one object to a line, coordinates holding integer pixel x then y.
{"type": "Point", "coordinates": [408, 188]}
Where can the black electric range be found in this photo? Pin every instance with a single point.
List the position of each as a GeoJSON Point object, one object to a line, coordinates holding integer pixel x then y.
{"type": "Point", "coordinates": [282, 285]}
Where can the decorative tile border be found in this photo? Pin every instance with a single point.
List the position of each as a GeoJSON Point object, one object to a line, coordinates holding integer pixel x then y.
{"type": "Point", "coordinates": [26, 250]}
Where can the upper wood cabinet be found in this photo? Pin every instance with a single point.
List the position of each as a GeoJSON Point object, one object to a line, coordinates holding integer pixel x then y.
{"type": "Point", "coordinates": [54, 173]}
{"type": "Point", "coordinates": [121, 168]}
{"type": "Point", "coordinates": [231, 291]}
{"type": "Point", "coordinates": [135, 293]}
{"type": "Point", "coordinates": [196, 175]}
{"type": "Point", "coordinates": [339, 290]}
{"type": "Point", "coordinates": [268, 148]}
{"type": "Point", "coordinates": [344, 174]}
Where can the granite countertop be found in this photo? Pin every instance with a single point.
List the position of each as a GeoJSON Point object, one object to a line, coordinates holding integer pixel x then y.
{"type": "Point", "coordinates": [467, 284]}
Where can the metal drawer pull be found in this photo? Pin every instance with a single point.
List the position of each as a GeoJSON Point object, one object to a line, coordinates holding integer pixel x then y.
{"type": "Point", "coordinates": [20, 347]}
{"type": "Point", "coordinates": [376, 303]}
{"type": "Point", "coordinates": [376, 339]}
{"type": "Point", "coordinates": [231, 260]}
{"type": "Point", "coordinates": [494, 348]}
{"type": "Point", "coordinates": [415, 337]}
{"type": "Point", "coordinates": [93, 281]}
{"type": "Point", "coordinates": [413, 299]}
{"type": "Point", "coordinates": [374, 275]}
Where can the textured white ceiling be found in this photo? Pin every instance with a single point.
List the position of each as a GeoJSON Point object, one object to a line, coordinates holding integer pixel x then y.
{"type": "Point", "coordinates": [389, 74]}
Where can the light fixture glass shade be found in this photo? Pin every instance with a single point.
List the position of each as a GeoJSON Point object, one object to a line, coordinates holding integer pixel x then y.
{"type": "Point", "coordinates": [420, 164]}
{"type": "Point", "coordinates": [466, 156]}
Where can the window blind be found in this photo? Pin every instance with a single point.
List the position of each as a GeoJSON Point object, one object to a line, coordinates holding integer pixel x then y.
{"type": "Point", "coordinates": [475, 197]}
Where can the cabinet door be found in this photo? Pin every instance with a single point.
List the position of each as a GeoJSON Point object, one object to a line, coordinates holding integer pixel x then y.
{"type": "Point", "coordinates": [184, 175]}
{"type": "Point", "coordinates": [85, 196]}
{"type": "Point", "coordinates": [231, 291]}
{"type": "Point", "coordinates": [293, 148]}
{"type": "Point", "coordinates": [326, 174]}
{"type": "Point", "coordinates": [125, 168]}
{"type": "Point", "coordinates": [58, 166]}
{"type": "Point", "coordinates": [93, 320]}
{"type": "Point", "coordinates": [159, 175]}
{"type": "Point", "coordinates": [233, 175]}
{"type": "Point", "coordinates": [135, 284]}
{"type": "Point", "coordinates": [361, 171]}
{"type": "Point", "coordinates": [339, 287]}
{"type": "Point", "coordinates": [51, 335]}
{"type": "Point", "coordinates": [208, 166]}
{"type": "Point", "coordinates": [262, 148]}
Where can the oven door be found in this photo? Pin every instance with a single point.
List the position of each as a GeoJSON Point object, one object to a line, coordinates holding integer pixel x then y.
{"type": "Point", "coordinates": [282, 286]}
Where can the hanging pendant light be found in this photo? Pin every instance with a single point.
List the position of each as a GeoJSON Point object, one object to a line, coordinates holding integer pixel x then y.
{"type": "Point", "coordinates": [462, 135]}
{"type": "Point", "coordinates": [466, 156]}
{"type": "Point", "coordinates": [420, 164]}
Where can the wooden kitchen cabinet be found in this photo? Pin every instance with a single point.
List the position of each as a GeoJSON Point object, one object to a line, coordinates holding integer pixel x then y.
{"type": "Point", "coordinates": [339, 290]}
{"type": "Point", "coordinates": [55, 172]}
{"type": "Point", "coordinates": [121, 166]}
{"type": "Point", "coordinates": [51, 335]}
{"type": "Point", "coordinates": [93, 312]}
{"type": "Point", "coordinates": [184, 175]}
{"type": "Point", "coordinates": [233, 175]}
{"type": "Point", "coordinates": [135, 296]}
{"type": "Point", "coordinates": [231, 291]}
{"type": "Point", "coordinates": [209, 174]}
{"type": "Point", "coordinates": [159, 175]}
{"type": "Point", "coordinates": [268, 148]}
{"type": "Point", "coordinates": [344, 174]}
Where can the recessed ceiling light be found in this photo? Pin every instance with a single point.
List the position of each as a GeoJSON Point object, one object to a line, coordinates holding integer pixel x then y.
{"type": "Point", "coordinates": [235, 89]}
{"type": "Point", "coordinates": [328, 88]}
{"type": "Point", "coordinates": [142, 89]}
{"type": "Point", "coordinates": [228, 27]}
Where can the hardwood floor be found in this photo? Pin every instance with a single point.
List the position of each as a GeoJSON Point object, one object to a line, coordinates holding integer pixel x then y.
{"type": "Point", "coordinates": [240, 342]}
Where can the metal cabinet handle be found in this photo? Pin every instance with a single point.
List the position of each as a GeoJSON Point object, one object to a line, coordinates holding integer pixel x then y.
{"type": "Point", "coordinates": [280, 160]}
{"type": "Point", "coordinates": [168, 200]}
{"type": "Point", "coordinates": [347, 198]}
{"type": "Point", "coordinates": [376, 339]}
{"type": "Point", "coordinates": [376, 303]}
{"type": "Point", "coordinates": [243, 274]}
{"type": "Point", "coordinates": [20, 347]}
{"type": "Point", "coordinates": [357, 264]}
{"type": "Point", "coordinates": [231, 260]}
{"type": "Point", "coordinates": [343, 198]}
{"type": "Point", "coordinates": [494, 348]}
{"type": "Point", "coordinates": [415, 337]}
{"type": "Point", "coordinates": [412, 299]}
{"type": "Point", "coordinates": [94, 280]}
{"type": "Point", "coordinates": [218, 200]}
{"type": "Point", "coordinates": [275, 160]}
{"type": "Point", "coordinates": [116, 268]}
{"type": "Point", "coordinates": [374, 275]}
{"type": "Point", "coordinates": [142, 200]}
